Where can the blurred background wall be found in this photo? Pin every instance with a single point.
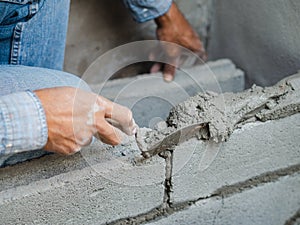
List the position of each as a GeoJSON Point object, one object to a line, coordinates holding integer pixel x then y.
{"type": "Point", "coordinates": [96, 26]}
{"type": "Point", "coordinates": [261, 37]}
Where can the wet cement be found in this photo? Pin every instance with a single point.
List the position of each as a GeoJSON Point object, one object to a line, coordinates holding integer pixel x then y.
{"type": "Point", "coordinates": [223, 113]}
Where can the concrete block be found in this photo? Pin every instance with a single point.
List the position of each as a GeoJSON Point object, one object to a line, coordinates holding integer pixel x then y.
{"type": "Point", "coordinates": [151, 99]}
{"type": "Point", "coordinates": [254, 149]}
{"type": "Point", "coordinates": [271, 203]}
{"type": "Point", "coordinates": [92, 187]}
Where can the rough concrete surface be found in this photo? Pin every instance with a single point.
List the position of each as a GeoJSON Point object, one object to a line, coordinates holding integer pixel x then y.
{"type": "Point", "coordinates": [260, 37]}
{"type": "Point", "coordinates": [218, 115]}
{"type": "Point", "coordinates": [271, 203]}
{"type": "Point", "coordinates": [95, 186]}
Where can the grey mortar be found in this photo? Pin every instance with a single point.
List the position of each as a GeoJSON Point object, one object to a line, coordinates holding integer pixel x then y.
{"type": "Point", "coordinates": [223, 113]}
{"type": "Point", "coordinates": [255, 104]}
{"type": "Point", "coordinates": [270, 103]}
{"type": "Point", "coordinates": [221, 193]}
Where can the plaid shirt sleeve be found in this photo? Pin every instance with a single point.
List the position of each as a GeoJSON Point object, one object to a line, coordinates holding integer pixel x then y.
{"type": "Point", "coordinates": [23, 123]}
{"type": "Point", "coordinates": [144, 10]}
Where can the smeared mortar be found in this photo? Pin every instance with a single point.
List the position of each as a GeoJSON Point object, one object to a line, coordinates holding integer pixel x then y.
{"type": "Point", "coordinates": [223, 113]}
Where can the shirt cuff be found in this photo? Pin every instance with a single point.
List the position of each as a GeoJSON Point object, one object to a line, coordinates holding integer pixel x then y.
{"type": "Point", "coordinates": [144, 10]}
{"type": "Point", "coordinates": [23, 124]}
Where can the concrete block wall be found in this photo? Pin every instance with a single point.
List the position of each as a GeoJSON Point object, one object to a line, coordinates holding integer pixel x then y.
{"type": "Point", "coordinates": [263, 191]}
{"type": "Point", "coordinates": [257, 148]}
{"type": "Point", "coordinates": [253, 180]}
{"type": "Point", "coordinates": [260, 205]}
{"type": "Point", "coordinates": [87, 188]}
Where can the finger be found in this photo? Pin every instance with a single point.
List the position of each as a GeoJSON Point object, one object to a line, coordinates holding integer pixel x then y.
{"type": "Point", "coordinates": [67, 147]}
{"type": "Point", "coordinates": [200, 51]}
{"type": "Point", "coordinates": [84, 140]}
{"type": "Point", "coordinates": [121, 116]}
{"type": "Point", "coordinates": [83, 132]}
{"type": "Point", "coordinates": [127, 123]}
{"type": "Point", "coordinates": [168, 73]}
{"type": "Point", "coordinates": [170, 69]}
{"type": "Point", "coordinates": [156, 68]}
{"type": "Point", "coordinates": [108, 141]}
{"type": "Point", "coordinates": [156, 53]}
{"type": "Point", "coordinates": [107, 133]}
{"type": "Point", "coordinates": [130, 130]}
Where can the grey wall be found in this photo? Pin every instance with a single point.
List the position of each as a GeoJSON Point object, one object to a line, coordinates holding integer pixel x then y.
{"type": "Point", "coordinates": [261, 37]}
{"type": "Point", "coordinates": [98, 26]}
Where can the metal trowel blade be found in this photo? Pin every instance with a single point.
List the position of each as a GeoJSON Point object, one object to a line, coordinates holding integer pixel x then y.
{"type": "Point", "coordinates": [169, 142]}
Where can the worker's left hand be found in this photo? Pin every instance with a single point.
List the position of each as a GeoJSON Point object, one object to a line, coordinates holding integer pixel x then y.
{"type": "Point", "coordinates": [173, 27]}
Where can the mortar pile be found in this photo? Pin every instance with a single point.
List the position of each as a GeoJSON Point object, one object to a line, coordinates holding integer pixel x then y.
{"type": "Point", "coordinates": [223, 113]}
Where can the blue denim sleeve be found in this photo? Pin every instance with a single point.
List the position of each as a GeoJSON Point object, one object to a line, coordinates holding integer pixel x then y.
{"type": "Point", "coordinates": [23, 123]}
{"type": "Point", "coordinates": [144, 10]}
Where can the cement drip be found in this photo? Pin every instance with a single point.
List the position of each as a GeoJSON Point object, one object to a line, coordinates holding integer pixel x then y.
{"type": "Point", "coordinates": [223, 113]}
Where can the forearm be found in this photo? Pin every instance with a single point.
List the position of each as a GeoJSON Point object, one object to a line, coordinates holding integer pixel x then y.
{"type": "Point", "coordinates": [23, 124]}
{"type": "Point", "coordinates": [22, 119]}
{"type": "Point", "coordinates": [172, 16]}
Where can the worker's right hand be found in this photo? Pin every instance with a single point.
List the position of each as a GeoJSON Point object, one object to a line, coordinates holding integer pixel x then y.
{"type": "Point", "coordinates": [172, 27]}
{"type": "Point", "coordinates": [74, 116]}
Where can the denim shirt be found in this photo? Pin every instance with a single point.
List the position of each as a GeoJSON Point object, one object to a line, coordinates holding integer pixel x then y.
{"type": "Point", "coordinates": [144, 10]}
{"type": "Point", "coordinates": [23, 125]}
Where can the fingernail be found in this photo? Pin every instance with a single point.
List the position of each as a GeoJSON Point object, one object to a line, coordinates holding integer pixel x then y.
{"type": "Point", "coordinates": [135, 127]}
{"type": "Point", "coordinates": [168, 78]}
{"type": "Point", "coordinates": [93, 140]}
{"type": "Point", "coordinates": [77, 149]}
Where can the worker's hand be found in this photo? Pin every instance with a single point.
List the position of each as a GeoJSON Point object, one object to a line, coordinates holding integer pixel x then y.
{"type": "Point", "coordinates": [173, 27]}
{"type": "Point", "coordinates": [74, 116]}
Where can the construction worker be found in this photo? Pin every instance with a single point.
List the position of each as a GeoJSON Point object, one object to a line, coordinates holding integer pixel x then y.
{"type": "Point", "coordinates": [42, 107]}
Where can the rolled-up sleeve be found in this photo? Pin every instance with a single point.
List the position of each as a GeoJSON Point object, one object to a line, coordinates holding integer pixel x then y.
{"type": "Point", "coordinates": [144, 10]}
{"type": "Point", "coordinates": [23, 124]}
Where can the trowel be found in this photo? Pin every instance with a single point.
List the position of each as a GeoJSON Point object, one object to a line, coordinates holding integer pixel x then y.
{"type": "Point", "coordinates": [170, 141]}
{"type": "Point", "coordinates": [177, 137]}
